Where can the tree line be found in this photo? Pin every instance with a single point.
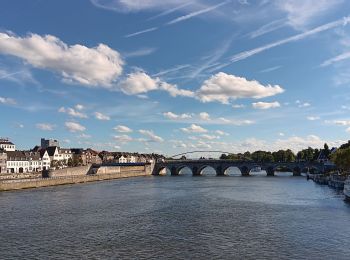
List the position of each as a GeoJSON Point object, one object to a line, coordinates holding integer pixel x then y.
{"type": "Point", "coordinates": [309, 154]}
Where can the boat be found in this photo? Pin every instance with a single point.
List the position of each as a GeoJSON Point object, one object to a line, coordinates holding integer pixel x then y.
{"type": "Point", "coordinates": [347, 189]}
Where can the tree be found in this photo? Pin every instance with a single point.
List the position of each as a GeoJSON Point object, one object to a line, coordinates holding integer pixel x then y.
{"type": "Point", "coordinates": [326, 150]}
{"type": "Point", "coordinates": [341, 159]}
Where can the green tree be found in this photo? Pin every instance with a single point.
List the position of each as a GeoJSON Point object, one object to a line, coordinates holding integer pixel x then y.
{"type": "Point", "coordinates": [341, 159]}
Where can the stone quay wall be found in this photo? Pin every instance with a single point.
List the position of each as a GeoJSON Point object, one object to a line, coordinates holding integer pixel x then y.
{"type": "Point", "coordinates": [77, 176]}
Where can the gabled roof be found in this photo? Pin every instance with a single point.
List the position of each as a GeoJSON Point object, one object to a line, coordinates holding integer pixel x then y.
{"type": "Point", "coordinates": [51, 150]}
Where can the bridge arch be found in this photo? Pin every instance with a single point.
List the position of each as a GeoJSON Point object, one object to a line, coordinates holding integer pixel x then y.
{"type": "Point", "coordinates": [181, 168]}
{"type": "Point", "coordinates": [232, 171]}
{"type": "Point", "coordinates": [212, 170]}
{"type": "Point", "coordinates": [163, 170]}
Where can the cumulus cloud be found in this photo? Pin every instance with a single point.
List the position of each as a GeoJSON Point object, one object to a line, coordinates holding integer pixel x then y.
{"type": "Point", "coordinates": [174, 91]}
{"type": "Point", "coordinates": [222, 87]}
{"type": "Point", "coordinates": [174, 116]}
{"type": "Point", "coordinates": [74, 127]}
{"type": "Point", "coordinates": [193, 128]}
{"type": "Point", "coordinates": [139, 82]}
{"type": "Point", "coordinates": [122, 138]}
{"type": "Point", "coordinates": [72, 112]}
{"type": "Point", "coordinates": [152, 137]}
{"type": "Point", "coordinates": [210, 137]}
{"type": "Point", "coordinates": [102, 117]}
{"type": "Point", "coordinates": [204, 116]}
{"type": "Point", "coordinates": [95, 67]}
{"type": "Point", "coordinates": [45, 126]}
{"type": "Point", "coordinates": [79, 107]}
{"type": "Point", "coordinates": [122, 129]}
{"type": "Point", "coordinates": [7, 101]}
{"type": "Point", "coordinates": [235, 122]}
{"type": "Point", "coordinates": [266, 105]}
{"type": "Point", "coordinates": [219, 132]}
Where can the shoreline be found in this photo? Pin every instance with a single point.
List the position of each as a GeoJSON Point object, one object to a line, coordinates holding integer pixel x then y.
{"type": "Point", "coordinates": [11, 185]}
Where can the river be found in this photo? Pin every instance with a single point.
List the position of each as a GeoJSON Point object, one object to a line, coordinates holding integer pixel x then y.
{"type": "Point", "coordinates": [180, 217]}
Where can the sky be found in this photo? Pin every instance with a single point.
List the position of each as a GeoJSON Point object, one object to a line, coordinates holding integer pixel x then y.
{"type": "Point", "coordinates": [171, 76]}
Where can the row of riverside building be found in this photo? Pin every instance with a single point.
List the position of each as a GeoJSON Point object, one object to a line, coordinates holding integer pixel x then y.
{"type": "Point", "coordinates": [50, 155]}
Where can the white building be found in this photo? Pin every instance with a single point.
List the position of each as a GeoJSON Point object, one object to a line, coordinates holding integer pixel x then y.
{"type": "Point", "coordinates": [131, 159]}
{"type": "Point", "coordinates": [59, 155]}
{"type": "Point", "coordinates": [6, 145]}
{"type": "Point", "coordinates": [122, 159]}
{"type": "Point", "coordinates": [17, 162]}
{"type": "Point", "coordinates": [45, 158]}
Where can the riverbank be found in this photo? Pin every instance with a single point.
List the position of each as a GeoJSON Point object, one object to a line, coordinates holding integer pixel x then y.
{"type": "Point", "coordinates": [77, 175]}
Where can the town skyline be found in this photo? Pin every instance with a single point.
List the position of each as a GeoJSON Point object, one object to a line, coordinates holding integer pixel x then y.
{"type": "Point", "coordinates": [144, 77]}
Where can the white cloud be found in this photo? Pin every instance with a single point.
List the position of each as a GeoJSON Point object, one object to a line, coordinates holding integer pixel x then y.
{"type": "Point", "coordinates": [341, 57]}
{"type": "Point", "coordinates": [193, 128]}
{"type": "Point", "coordinates": [219, 132]}
{"type": "Point", "coordinates": [210, 137]}
{"type": "Point", "coordinates": [122, 129]}
{"type": "Point", "coordinates": [100, 116]}
{"type": "Point", "coordinates": [139, 82]}
{"type": "Point", "coordinates": [246, 54]}
{"type": "Point", "coordinates": [94, 67]}
{"type": "Point", "coordinates": [141, 32]}
{"type": "Point", "coordinates": [196, 13]}
{"type": "Point", "coordinates": [137, 5]}
{"type": "Point", "coordinates": [152, 137]}
{"type": "Point", "coordinates": [123, 138]}
{"type": "Point", "coordinates": [84, 136]}
{"type": "Point", "coordinates": [302, 13]}
{"type": "Point", "coordinates": [79, 107]}
{"type": "Point", "coordinates": [338, 122]}
{"type": "Point", "coordinates": [266, 105]}
{"type": "Point", "coordinates": [7, 101]}
{"type": "Point", "coordinates": [313, 118]}
{"type": "Point", "coordinates": [222, 87]}
{"type": "Point", "coordinates": [281, 134]}
{"type": "Point", "coordinates": [204, 116]}
{"type": "Point", "coordinates": [174, 91]}
{"type": "Point", "coordinates": [306, 104]}
{"type": "Point", "coordinates": [348, 130]}
{"type": "Point", "coordinates": [72, 112]}
{"type": "Point", "coordinates": [235, 122]}
{"type": "Point", "coordinates": [74, 127]}
{"type": "Point", "coordinates": [238, 106]}
{"type": "Point", "coordinates": [45, 126]}
{"type": "Point", "coordinates": [174, 116]}
{"type": "Point", "coordinates": [139, 52]}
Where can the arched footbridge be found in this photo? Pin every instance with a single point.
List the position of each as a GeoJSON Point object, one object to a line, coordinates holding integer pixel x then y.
{"type": "Point", "coordinates": [221, 166]}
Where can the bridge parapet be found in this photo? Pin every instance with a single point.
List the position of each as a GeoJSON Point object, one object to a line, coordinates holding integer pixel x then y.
{"type": "Point", "coordinates": [221, 166]}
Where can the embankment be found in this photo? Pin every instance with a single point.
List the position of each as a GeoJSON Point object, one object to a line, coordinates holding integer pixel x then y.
{"type": "Point", "coordinates": [78, 175]}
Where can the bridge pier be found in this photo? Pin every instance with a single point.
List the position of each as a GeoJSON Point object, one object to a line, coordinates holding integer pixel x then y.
{"type": "Point", "coordinates": [219, 171]}
{"type": "Point", "coordinates": [270, 171]}
{"type": "Point", "coordinates": [196, 171]}
{"type": "Point", "coordinates": [245, 171]}
{"type": "Point", "coordinates": [174, 171]}
{"type": "Point", "coordinates": [296, 171]}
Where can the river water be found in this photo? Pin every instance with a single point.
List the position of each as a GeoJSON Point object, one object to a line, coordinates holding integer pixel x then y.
{"type": "Point", "coordinates": [180, 217]}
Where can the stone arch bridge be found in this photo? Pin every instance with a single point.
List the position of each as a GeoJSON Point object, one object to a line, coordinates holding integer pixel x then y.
{"type": "Point", "coordinates": [220, 166]}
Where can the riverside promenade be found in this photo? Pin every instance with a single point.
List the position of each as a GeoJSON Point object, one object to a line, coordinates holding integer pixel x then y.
{"type": "Point", "coordinates": [82, 174]}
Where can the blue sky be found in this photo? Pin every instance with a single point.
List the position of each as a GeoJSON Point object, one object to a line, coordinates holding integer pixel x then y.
{"type": "Point", "coordinates": [172, 75]}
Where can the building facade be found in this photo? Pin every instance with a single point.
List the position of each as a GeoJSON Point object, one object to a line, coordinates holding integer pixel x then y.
{"type": "Point", "coordinates": [6, 145]}
{"type": "Point", "coordinates": [3, 160]}
{"type": "Point", "coordinates": [45, 143]}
